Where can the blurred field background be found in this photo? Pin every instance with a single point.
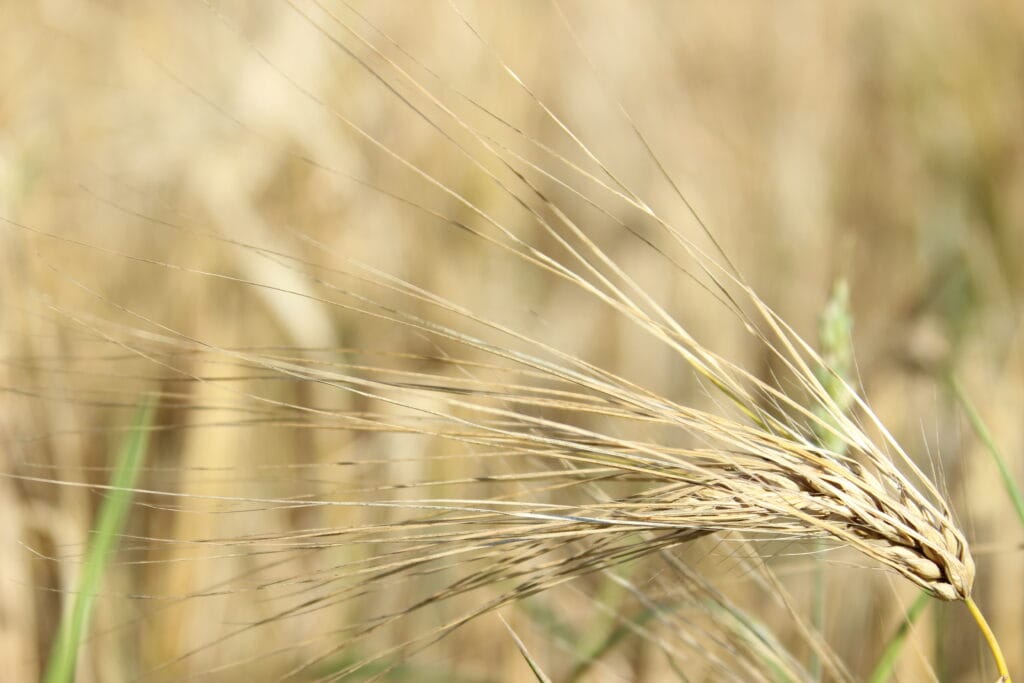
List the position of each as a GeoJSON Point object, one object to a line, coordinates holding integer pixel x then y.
{"type": "Point", "coordinates": [877, 142]}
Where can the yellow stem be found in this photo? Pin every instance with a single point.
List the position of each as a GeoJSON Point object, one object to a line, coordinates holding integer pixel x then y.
{"type": "Point", "coordinates": [990, 638]}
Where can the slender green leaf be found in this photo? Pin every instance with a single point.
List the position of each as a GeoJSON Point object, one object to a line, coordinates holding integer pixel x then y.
{"type": "Point", "coordinates": [887, 662]}
{"type": "Point", "coordinates": [109, 523]}
{"type": "Point", "coordinates": [990, 445]}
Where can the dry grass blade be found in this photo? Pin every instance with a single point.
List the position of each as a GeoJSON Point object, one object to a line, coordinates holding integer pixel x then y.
{"type": "Point", "coordinates": [534, 666]}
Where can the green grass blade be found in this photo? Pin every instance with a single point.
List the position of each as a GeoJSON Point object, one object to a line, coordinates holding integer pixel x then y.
{"type": "Point", "coordinates": [990, 445]}
{"type": "Point", "coordinates": [887, 662]}
{"type": "Point", "coordinates": [760, 639]}
{"type": "Point", "coordinates": [611, 639]}
{"type": "Point", "coordinates": [600, 637]}
{"type": "Point", "coordinates": [109, 523]}
{"type": "Point", "coordinates": [835, 337]}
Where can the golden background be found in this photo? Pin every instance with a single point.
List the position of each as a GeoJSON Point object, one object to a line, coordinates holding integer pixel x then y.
{"type": "Point", "coordinates": [142, 144]}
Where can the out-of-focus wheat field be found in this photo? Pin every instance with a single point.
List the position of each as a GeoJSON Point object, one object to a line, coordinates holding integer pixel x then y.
{"type": "Point", "coordinates": [159, 158]}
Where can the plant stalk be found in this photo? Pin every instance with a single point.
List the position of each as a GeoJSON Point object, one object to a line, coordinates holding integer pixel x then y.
{"type": "Point", "coordinates": [990, 638]}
